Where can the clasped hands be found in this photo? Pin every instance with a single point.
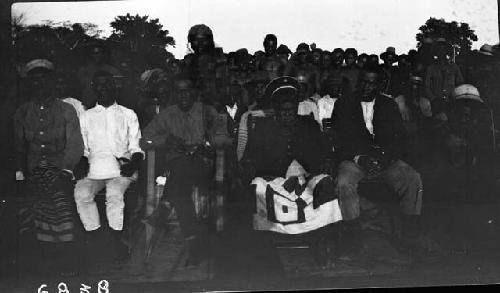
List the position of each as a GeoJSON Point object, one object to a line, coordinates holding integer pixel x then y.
{"type": "Point", "coordinates": [372, 166]}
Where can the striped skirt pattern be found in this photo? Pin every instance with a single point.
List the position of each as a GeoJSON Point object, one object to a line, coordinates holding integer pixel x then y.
{"type": "Point", "coordinates": [49, 208]}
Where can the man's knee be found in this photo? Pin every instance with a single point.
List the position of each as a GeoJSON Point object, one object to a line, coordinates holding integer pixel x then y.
{"type": "Point", "coordinates": [410, 174]}
{"type": "Point", "coordinates": [84, 192]}
{"type": "Point", "coordinates": [348, 174]}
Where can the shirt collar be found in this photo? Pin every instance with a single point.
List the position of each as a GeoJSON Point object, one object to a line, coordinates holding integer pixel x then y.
{"type": "Point", "coordinates": [100, 107]}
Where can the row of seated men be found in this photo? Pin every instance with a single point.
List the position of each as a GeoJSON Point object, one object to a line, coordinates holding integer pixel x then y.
{"type": "Point", "coordinates": [66, 160]}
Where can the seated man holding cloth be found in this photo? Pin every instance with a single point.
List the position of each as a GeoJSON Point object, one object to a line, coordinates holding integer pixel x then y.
{"type": "Point", "coordinates": [286, 160]}
{"type": "Point", "coordinates": [111, 158]}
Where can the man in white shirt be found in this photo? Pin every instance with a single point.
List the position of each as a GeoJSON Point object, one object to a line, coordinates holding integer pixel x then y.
{"type": "Point", "coordinates": [112, 157]}
{"type": "Point", "coordinates": [308, 105]}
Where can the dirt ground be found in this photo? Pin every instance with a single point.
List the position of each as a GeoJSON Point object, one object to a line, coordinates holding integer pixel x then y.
{"type": "Point", "coordinates": [464, 222]}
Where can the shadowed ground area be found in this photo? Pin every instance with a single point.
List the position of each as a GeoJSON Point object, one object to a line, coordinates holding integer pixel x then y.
{"type": "Point", "coordinates": [465, 226]}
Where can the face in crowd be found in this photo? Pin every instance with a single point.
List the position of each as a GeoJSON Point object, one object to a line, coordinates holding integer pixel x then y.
{"type": "Point", "coordinates": [97, 55]}
{"type": "Point", "coordinates": [185, 94]}
{"type": "Point", "coordinates": [373, 59]}
{"type": "Point", "coordinates": [162, 93]}
{"type": "Point", "coordinates": [302, 56]}
{"type": "Point", "coordinates": [201, 44]}
{"type": "Point", "coordinates": [283, 57]}
{"type": "Point", "coordinates": [389, 59]}
{"type": "Point", "coordinates": [61, 87]}
{"type": "Point", "coordinates": [338, 58]}
{"type": "Point", "coordinates": [350, 59]}
{"type": "Point", "coordinates": [362, 60]}
{"type": "Point", "coordinates": [335, 87]}
{"type": "Point", "coordinates": [259, 90]}
{"type": "Point", "coordinates": [316, 58]}
{"type": "Point", "coordinates": [104, 88]}
{"type": "Point", "coordinates": [270, 46]}
{"type": "Point", "coordinates": [287, 106]}
{"type": "Point", "coordinates": [327, 59]}
{"type": "Point", "coordinates": [369, 85]}
{"type": "Point", "coordinates": [233, 94]}
{"type": "Point", "coordinates": [403, 62]}
{"type": "Point", "coordinates": [441, 52]}
{"type": "Point", "coordinates": [41, 82]}
{"type": "Point", "coordinates": [305, 89]}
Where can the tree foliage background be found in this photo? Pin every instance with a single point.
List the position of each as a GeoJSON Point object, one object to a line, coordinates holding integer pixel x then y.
{"type": "Point", "coordinates": [139, 33]}
{"type": "Point", "coordinates": [458, 34]}
{"type": "Point", "coordinates": [64, 42]}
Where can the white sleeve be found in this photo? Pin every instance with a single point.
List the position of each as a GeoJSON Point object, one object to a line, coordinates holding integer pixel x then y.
{"type": "Point", "coordinates": [85, 131]}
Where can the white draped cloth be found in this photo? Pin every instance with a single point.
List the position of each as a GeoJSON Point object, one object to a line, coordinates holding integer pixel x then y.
{"type": "Point", "coordinates": [285, 207]}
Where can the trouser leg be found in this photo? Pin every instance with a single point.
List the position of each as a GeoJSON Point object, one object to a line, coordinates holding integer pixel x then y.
{"type": "Point", "coordinates": [185, 173]}
{"type": "Point", "coordinates": [85, 191]}
{"type": "Point", "coordinates": [348, 176]}
{"type": "Point", "coordinates": [115, 204]}
{"type": "Point", "coordinates": [407, 185]}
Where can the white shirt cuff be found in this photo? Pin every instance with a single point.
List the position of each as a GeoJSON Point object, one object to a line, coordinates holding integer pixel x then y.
{"type": "Point", "coordinates": [70, 172]}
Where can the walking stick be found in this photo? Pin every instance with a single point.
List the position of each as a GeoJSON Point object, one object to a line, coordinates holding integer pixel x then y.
{"type": "Point", "coordinates": [493, 131]}
{"type": "Point", "coordinates": [151, 202]}
{"type": "Point", "coordinates": [219, 190]}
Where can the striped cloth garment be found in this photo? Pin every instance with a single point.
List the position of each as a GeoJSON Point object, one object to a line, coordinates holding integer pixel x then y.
{"type": "Point", "coordinates": [49, 209]}
{"type": "Point", "coordinates": [243, 131]}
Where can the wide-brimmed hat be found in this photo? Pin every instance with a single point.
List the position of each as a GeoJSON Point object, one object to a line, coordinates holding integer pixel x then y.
{"type": "Point", "coordinates": [486, 50]}
{"type": "Point", "coordinates": [389, 51]}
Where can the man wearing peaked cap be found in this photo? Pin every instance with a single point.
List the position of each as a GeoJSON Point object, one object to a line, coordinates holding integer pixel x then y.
{"type": "Point", "coordinates": [290, 151]}
{"type": "Point", "coordinates": [37, 63]}
{"type": "Point", "coordinates": [287, 136]}
{"type": "Point", "coordinates": [281, 83]}
{"type": "Point", "coordinates": [47, 146]}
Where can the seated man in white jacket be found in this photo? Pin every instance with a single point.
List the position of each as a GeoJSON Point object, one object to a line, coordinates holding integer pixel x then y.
{"type": "Point", "coordinates": [111, 159]}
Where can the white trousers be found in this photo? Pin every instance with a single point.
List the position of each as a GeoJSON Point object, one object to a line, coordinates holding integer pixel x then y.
{"type": "Point", "coordinates": [85, 191]}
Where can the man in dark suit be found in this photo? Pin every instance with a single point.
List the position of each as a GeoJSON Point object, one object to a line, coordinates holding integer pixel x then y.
{"type": "Point", "coordinates": [370, 139]}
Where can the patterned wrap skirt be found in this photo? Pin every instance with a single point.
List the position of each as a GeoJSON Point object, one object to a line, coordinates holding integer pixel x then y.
{"type": "Point", "coordinates": [49, 209]}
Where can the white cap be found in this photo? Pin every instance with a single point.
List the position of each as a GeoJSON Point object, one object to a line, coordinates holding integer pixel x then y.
{"type": "Point", "coordinates": [467, 91]}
